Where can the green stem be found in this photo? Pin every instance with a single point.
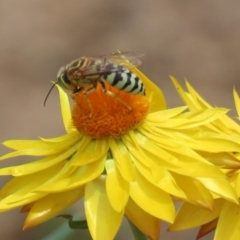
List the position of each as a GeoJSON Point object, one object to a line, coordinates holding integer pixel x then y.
{"type": "Point", "coordinates": [138, 235]}
{"type": "Point", "coordinates": [75, 224]}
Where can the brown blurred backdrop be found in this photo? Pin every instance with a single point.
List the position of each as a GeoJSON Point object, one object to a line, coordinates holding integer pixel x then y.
{"type": "Point", "coordinates": [199, 40]}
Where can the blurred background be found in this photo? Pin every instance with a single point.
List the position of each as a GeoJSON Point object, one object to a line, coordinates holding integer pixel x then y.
{"type": "Point", "coordinates": [197, 40]}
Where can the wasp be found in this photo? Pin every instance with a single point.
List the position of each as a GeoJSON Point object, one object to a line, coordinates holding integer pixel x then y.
{"type": "Point", "coordinates": [84, 74]}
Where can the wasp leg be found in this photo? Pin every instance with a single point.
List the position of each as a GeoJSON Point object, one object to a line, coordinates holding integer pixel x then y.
{"type": "Point", "coordinates": [113, 95]}
{"type": "Point", "coordinates": [89, 90]}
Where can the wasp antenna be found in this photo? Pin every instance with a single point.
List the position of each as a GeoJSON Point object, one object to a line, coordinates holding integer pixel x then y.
{"type": "Point", "coordinates": [44, 103]}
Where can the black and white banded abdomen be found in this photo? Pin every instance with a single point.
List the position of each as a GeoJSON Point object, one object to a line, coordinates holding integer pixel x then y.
{"type": "Point", "coordinates": [124, 80]}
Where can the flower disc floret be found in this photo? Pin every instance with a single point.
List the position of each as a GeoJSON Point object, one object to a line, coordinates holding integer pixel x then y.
{"type": "Point", "coordinates": [99, 115]}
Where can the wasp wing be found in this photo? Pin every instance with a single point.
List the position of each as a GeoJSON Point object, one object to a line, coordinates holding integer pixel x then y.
{"type": "Point", "coordinates": [124, 59]}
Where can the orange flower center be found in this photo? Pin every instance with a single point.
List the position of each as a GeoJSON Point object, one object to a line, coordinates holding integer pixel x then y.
{"type": "Point", "coordinates": [99, 115]}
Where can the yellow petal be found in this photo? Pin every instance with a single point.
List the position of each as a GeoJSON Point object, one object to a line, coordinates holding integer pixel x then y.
{"type": "Point", "coordinates": [197, 97]}
{"type": "Point", "coordinates": [228, 223]}
{"type": "Point", "coordinates": [136, 151]}
{"type": "Point", "coordinates": [152, 199]}
{"type": "Point", "coordinates": [177, 157]}
{"type": "Point", "coordinates": [80, 176]}
{"type": "Point", "coordinates": [123, 159]}
{"type": "Point", "coordinates": [95, 150]}
{"type": "Point", "coordinates": [186, 98]}
{"type": "Point", "coordinates": [23, 144]}
{"type": "Point", "coordinates": [153, 92]}
{"type": "Point", "coordinates": [151, 170]}
{"type": "Point", "coordinates": [195, 191]}
{"type": "Point", "coordinates": [51, 205]}
{"type": "Point", "coordinates": [190, 216]}
{"type": "Point", "coordinates": [200, 117]}
{"type": "Point", "coordinates": [65, 137]}
{"type": "Point", "coordinates": [237, 184]}
{"type": "Point", "coordinates": [149, 149]}
{"type": "Point", "coordinates": [29, 182]}
{"type": "Point", "coordinates": [207, 228]}
{"type": "Point", "coordinates": [21, 190]}
{"type": "Point", "coordinates": [237, 102]}
{"type": "Point", "coordinates": [147, 223]}
{"type": "Point", "coordinates": [222, 159]}
{"type": "Point", "coordinates": [197, 140]}
{"type": "Point", "coordinates": [190, 120]}
{"type": "Point", "coordinates": [117, 188]}
{"type": "Point", "coordinates": [221, 187]}
{"type": "Point", "coordinates": [64, 173]}
{"type": "Point", "coordinates": [196, 102]}
{"type": "Point", "coordinates": [161, 177]}
{"type": "Point", "coordinates": [165, 115]}
{"type": "Point", "coordinates": [225, 124]}
{"type": "Point", "coordinates": [103, 220]}
{"type": "Point", "coordinates": [43, 142]}
{"type": "Point", "coordinates": [40, 147]}
{"type": "Point", "coordinates": [39, 165]}
{"type": "Point", "coordinates": [65, 108]}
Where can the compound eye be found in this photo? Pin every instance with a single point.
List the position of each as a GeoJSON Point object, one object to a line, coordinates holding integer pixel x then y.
{"type": "Point", "coordinates": [64, 79]}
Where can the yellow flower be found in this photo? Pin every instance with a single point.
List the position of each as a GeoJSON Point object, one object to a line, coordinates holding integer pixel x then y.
{"type": "Point", "coordinates": [122, 162]}
{"type": "Point", "coordinates": [225, 216]}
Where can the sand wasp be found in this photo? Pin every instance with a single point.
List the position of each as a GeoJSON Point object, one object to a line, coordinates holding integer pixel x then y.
{"type": "Point", "coordinates": [84, 74]}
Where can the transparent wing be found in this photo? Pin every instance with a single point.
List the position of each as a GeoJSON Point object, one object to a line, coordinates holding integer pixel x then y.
{"type": "Point", "coordinates": [127, 59]}
{"type": "Point", "coordinates": [124, 59]}
{"type": "Point", "coordinates": [101, 62]}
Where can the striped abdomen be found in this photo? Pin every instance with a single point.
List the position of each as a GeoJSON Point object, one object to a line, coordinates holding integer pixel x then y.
{"type": "Point", "coordinates": [123, 79]}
